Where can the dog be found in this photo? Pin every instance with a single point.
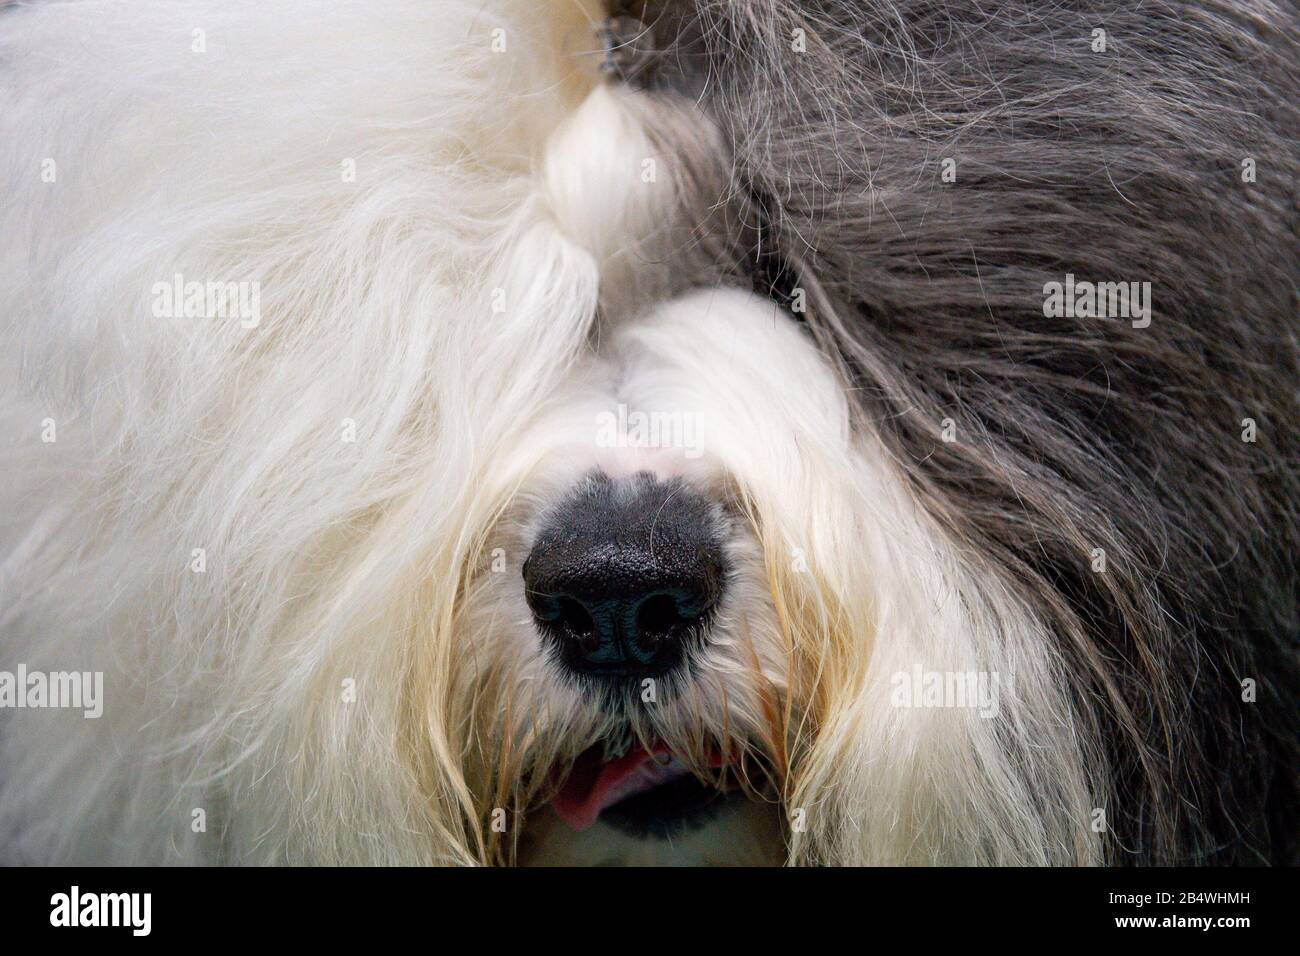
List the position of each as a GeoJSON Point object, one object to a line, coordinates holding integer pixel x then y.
{"type": "Point", "coordinates": [746, 432]}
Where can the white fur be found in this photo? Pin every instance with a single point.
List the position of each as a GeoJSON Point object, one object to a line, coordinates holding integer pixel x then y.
{"type": "Point", "coordinates": [446, 302]}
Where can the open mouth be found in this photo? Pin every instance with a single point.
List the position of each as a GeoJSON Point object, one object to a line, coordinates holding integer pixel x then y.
{"type": "Point", "coordinates": [642, 793]}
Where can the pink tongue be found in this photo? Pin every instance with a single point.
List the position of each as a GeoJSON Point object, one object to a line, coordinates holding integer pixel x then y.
{"type": "Point", "coordinates": [592, 785]}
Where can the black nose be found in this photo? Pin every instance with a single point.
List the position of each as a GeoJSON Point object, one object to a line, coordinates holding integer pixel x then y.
{"type": "Point", "coordinates": [625, 575]}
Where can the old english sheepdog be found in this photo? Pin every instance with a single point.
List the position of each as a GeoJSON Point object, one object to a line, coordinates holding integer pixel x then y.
{"type": "Point", "coordinates": [649, 431]}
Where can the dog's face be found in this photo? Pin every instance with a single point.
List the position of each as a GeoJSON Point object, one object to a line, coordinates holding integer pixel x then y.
{"type": "Point", "coordinates": [620, 627]}
{"type": "Point", "coordinates": [689, 577]}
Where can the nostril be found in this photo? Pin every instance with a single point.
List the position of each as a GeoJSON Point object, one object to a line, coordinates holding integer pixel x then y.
{"type": "Point", "coordinates": [667, 613]}
{"type": "Point", "coordinates": [657, 617]}
{"type": "Point", "coordinates": [563, 613]}
{"type": "Point", "coordinates": [576, 621]}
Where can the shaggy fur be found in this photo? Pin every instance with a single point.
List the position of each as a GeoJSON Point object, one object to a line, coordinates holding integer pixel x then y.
{"type": "Point", "coordinates": [1074, 434]}
{"type": "Point", "coordinates": [352, 676]}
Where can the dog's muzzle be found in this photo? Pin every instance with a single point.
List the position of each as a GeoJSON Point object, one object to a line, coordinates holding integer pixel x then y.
{"type": "Point", "coordinates": [625, 576]}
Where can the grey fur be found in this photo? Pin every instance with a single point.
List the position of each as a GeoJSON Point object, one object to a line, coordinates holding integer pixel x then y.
{"type": "Point", "coordinates": [1073, 434]}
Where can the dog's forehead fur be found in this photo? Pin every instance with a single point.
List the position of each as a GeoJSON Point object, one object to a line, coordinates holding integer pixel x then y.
{"type": "Point", "coordinates": [824, 231]}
